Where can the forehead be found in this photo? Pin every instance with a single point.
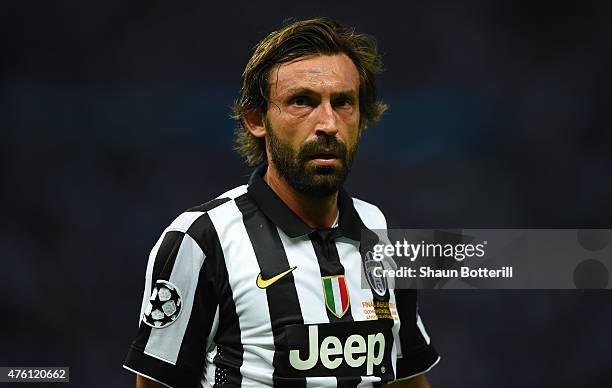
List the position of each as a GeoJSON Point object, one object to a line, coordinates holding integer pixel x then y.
{"type": "Point", "coordinates": [321, 73]}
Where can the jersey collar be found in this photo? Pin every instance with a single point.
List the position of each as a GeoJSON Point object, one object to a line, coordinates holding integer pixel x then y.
{"type": "Point", "coordinates": [349, 225]}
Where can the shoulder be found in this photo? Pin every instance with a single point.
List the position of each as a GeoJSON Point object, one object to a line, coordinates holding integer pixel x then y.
{"type": "Point", "coordinates": [229, 195]}
{"type": "Point", "coordinates": [370, 214]}
{"type": "Point", "coordinates": [194, 221]}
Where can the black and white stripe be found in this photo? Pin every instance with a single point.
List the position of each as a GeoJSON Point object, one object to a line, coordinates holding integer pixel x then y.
{"type": "Point", "coordinates": [231, 332]}
{"type": "Point", "coordinates": [179, 259]}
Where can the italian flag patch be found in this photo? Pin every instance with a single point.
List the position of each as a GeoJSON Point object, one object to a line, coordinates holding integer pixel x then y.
{"type": "Point", "coordinates": [336, 294]}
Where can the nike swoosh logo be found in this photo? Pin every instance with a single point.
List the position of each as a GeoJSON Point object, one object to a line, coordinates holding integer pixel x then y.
{"type": "Point", "coordinates": [264, 283]}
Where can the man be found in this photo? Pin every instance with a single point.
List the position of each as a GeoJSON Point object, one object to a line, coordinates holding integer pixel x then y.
{"type": "Point", "coordinates": [262, 286]}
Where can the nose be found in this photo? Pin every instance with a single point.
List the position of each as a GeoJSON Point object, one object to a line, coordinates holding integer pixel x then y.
{"type": "Point", "coordinates": [326, 120]}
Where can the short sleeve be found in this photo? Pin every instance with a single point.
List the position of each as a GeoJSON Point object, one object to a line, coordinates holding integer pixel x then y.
{"type": "Point", "coordinates": [416, 354]}
{"type": "Point", "coordinates": [178, 310]}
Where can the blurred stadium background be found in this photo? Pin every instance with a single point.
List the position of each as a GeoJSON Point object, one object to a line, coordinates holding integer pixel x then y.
{"type": "Point", "coordinates": [114, 118]}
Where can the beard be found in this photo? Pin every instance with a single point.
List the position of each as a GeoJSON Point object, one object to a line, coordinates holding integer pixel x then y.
{"type": "Point", "coordinates": [309, 179]}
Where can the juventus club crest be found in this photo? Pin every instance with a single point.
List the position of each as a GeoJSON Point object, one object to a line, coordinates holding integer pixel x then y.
{"type": "Point", "coordinates": [378, 284]}
{"type": "Point", "coordinates": [336, 294]}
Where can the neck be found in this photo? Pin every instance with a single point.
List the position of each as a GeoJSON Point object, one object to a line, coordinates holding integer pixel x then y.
{"type": "Point", "coordinates": [316, 212]}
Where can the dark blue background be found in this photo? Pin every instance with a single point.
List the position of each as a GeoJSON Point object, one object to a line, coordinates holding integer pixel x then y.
{"type": "Point", "coordinates": [114, 119]}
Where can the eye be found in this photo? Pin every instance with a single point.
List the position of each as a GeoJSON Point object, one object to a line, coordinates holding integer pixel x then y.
{"type": "Point", "coordinates": [300, 101]}
{"type": "Point", "coordinates": [344, 102]}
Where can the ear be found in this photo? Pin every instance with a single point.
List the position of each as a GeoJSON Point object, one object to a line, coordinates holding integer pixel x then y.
{"type": "Point", "coordinates": [254, 120]}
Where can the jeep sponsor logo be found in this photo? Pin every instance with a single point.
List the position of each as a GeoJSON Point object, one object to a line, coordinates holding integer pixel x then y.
{"type": "Point", "coordinates": [355, 351]}
{"type": "Point", "coordinates": [347, 348]}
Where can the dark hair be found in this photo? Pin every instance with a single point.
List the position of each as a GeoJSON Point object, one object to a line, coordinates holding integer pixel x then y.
{"type": "Point", "coordinates": [320, 36]}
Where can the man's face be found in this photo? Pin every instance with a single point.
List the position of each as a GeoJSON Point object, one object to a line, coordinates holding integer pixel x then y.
{"type": "Point", "coordinates": [312, 122]}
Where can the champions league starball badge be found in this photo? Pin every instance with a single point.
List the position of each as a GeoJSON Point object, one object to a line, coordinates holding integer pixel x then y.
{"type": "Point", "coordinates": [164, 305]}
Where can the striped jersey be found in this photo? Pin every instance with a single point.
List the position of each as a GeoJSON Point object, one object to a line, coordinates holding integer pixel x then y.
{"type": "Point", "coordinates": [240, 292]}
